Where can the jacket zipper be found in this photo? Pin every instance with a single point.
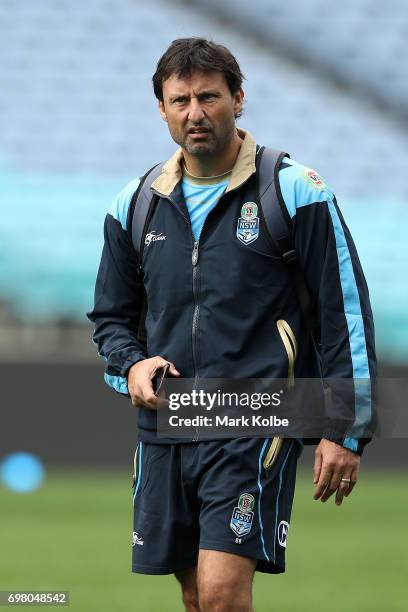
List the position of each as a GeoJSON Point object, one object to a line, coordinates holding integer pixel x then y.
{"type": "Point", "coordinates": [196, 309]}
{"type": "Point", "coordinates": [194, 261]}
{"type": "Point", "coordinates": [194, 326]}
{"type": "Point", "coordinates": [290, 344]}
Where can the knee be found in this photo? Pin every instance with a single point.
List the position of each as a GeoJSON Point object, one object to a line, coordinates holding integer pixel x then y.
{"type": "Point", "coordinates": [219, 595]}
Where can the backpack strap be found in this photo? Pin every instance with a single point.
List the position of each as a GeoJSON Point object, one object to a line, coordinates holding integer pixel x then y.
{"type": "Point", "coordinates": [279, 226]}
{"type": "Point", "coordinates": [139, 215]}
{"type": "Point", "coordinates": [140, 212]}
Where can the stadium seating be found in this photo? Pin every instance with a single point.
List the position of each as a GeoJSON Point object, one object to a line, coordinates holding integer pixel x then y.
{"type": "Point", "coordinates": [362, 43]}
{"type": "Point", "coordinates": [78, 120]}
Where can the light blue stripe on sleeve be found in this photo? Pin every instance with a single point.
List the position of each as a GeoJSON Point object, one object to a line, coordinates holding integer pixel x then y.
{"type": "Point", "coordinates": [117, 382]}
{"type": "Point", "coordinates": [120, 205]}
{"type": "Point", "coordinates": [355, 324]}
{"type": "Point", "coordinates": [296, 190]}
{"type": "Point", "coordinates": [350, 443]}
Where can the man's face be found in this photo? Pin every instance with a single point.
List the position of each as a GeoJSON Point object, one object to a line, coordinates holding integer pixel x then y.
{"type": "Point", "coordinates": [200, 111]}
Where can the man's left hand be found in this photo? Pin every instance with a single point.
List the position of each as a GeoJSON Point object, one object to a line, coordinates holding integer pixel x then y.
{"type": "Point", "coordinates": [335, 471]}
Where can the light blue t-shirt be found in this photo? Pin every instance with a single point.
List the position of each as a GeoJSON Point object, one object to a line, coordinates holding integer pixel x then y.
{"type": "Point", "coordinates": [200, 200]}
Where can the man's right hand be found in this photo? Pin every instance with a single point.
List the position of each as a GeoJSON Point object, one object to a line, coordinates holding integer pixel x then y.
{"type": "Point", "coordinates": [140, 377]}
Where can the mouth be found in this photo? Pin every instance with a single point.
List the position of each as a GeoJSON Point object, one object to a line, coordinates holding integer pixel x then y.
{"type": "Point", "coordinates": [199, 132]}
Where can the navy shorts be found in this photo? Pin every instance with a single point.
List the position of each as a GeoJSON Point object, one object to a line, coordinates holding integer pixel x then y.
{"type": "Point", "coordinates": [217, 495]}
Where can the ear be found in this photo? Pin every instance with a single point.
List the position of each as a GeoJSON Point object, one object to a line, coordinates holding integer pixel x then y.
{"type": "Point", "coordinates": [162, 111]}
{"type": "Point", "coordinates": [238, 101]}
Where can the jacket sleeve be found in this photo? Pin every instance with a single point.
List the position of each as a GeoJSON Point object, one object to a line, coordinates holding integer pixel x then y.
{"type": "Point", "coordinates": [118, 296]}
{"type": "Point", "coordinates": [334, 276]}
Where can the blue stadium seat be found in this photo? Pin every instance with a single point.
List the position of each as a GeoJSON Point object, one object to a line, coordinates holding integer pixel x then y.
{"type": "Point", "coordinates": [78, 120]}
{"type": "Point", "coordinates": [363, 42]}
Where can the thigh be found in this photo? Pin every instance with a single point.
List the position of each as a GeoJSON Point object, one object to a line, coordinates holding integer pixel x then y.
{"type": "Point", "coordinates": [165, 523]}
{"type": "Point", "coordinates": [224, 581]}
{"type": "Point", "coordinates": [214, 566]}
{"type": "Point", "coordinates": [246, 503]}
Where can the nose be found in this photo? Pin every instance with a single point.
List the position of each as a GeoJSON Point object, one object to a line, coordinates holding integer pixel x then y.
{"type": "Point", "coordinates": [195, 113]}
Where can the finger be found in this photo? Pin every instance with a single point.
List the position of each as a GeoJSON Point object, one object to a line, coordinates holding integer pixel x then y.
{"type": "Point", "coordinates": [350, 488]}
{"type": "Point", "coordinates": [328, 492]}
{"type": "Point", "coordinates": [340, 493]}
{"type": "Point", "coordinates": [173, 370]}
{"type": "Point", "coordinates": [324, 480]}
{"type": "Point", "coordinates": [161, 400]}
{"type": "Point", "coordinates": [342, 490]}
{"type": "Point", "coordinates": [333, 485]}
{"type": "Point", "coordinates": [317, 467]}
{"type": "Point", "coordinates": [158, 363]}
{"type": "Point", "coordinates": [353, 477]}
{"type": "Point", "coordinates": [134, 398]}
{"type": "Point", "coordinates": [150, 400]}
{"type": "Point", "coordinates": [147, 394]}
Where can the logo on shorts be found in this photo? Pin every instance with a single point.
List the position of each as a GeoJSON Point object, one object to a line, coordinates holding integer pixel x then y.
{"type": "Point", "coordinates": [137, 539]}
{"type": "Point", "coordinates": [246, 502]}
{"type": "Point", "coordinates": [283, 529]}
{"type": "Point", "coordinates": [248, 223]}
{"type": "Point", "coordinates": [242, 515]}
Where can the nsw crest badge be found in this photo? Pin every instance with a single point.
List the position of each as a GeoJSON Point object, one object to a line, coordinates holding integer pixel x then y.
{"type": "Point", "coordinates": [248, 223]}
{"type": "Point", "coordinates": [242, 515]}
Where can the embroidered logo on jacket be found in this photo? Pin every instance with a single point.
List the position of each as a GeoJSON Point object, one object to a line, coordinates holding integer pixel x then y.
{"type": "Point", "coordinates": [248, 223]}
{"type": "Point", "coordinates": [314, 179]}
{"type": "Point", "coordinates": [152, 237]}
{"type": "Point", "coordinates": [242, 515]}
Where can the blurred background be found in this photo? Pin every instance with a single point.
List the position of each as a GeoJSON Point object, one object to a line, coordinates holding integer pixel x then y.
{"type": "Point", "coordinates": [326, 82]}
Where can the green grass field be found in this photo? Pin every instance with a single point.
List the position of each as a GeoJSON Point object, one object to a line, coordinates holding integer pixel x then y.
{"type": "Point", "coordinates": [74, 534]}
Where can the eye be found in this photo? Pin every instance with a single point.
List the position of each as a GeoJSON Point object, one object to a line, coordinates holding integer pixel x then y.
{"type": "Point", "coordinates": [209, 96]}
{"type": "Point", "coordinates": [180, 101]}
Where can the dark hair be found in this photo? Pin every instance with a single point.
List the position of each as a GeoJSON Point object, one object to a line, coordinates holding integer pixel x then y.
{"type": "Point", "coordinates": [186, 55]}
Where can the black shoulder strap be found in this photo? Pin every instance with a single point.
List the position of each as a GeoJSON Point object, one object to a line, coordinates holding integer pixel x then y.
{"type": "Point", "coordinates": [138, 216]}
{"type": "Point", "coordinates": [280, 226]}
{"type": "Point", "coordinates": [276, 215]}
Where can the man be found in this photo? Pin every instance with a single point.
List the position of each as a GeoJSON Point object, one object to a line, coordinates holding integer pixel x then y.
{"type": "Point", "coordinates": [222, 304]}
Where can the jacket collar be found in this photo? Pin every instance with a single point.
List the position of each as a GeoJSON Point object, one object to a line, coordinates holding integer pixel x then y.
{"type": "Point", "coordinates": [244, 167]}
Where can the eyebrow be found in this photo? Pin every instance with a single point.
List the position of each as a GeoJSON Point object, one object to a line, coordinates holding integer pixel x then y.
{"type": "Point", "coordinates": [207, 92]}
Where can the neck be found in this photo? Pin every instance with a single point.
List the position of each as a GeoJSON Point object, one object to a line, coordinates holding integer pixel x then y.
{"type": "Point", "coordinates": [214, 165]}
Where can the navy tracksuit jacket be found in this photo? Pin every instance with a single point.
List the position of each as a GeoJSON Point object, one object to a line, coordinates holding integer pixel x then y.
{"type": "Point", "coordinates": [213, 305]}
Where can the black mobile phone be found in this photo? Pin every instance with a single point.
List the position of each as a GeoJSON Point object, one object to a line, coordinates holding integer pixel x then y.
{"type": "Point", "coordinates": [160, 376]}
